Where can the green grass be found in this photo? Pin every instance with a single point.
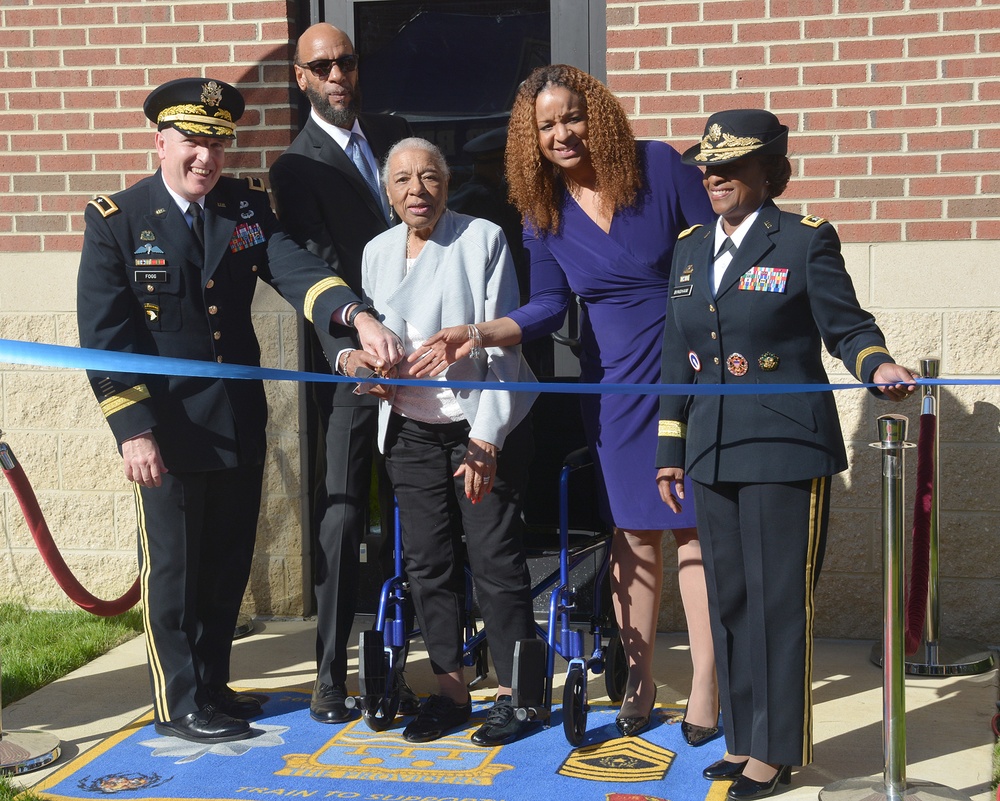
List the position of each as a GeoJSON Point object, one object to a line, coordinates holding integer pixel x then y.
{"type": "Point", "coordinates": [38, 647]}
{"type": "Point", "coordinates": [10, 790]}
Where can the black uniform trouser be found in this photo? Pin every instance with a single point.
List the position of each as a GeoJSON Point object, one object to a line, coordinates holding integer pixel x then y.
{"type": "Point", "coordinates": [763, 548]}
{"type": "Point", "coordinates": [196, 540]}
{"type": "Point", "coordinates": [434, 514]}
{"type": "Point", "coordinates": [343, 521]}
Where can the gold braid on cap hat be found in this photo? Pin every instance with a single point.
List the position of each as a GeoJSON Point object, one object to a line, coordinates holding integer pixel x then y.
{"type": "Point", "coordinates": [195, 117]}
{"type": "Point", "coordinates": [718, 145]}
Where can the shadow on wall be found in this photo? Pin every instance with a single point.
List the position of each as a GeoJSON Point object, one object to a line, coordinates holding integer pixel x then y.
{"type": "Point", "coordinates": [849, 598]}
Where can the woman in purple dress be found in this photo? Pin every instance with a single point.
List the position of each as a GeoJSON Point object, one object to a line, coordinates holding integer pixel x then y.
{"type": "Point", "coordinates": [601, 214]}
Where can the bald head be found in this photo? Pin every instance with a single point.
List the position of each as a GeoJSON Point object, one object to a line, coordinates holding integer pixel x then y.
{"type": "Point", "coordinates": [326, 70]}
{"type": "Point", "coordinates": [319, 36]}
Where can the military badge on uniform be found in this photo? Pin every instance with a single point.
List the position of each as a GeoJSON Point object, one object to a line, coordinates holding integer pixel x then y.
{"type": "Point", "coordinates": [764, 279]}
{"type": "Point", "coordinates": [737, 364]}
{"type": "Point", "coordinates": [812, 221]}
{"type": "Point", "coordinates": [246, 236]}
{"type": "Point", "coordinates": [695, 361]}
{"type": "Point", "coordinates": [147, 236]}
{"type": "Point", "coordinates": [152, 312]}
{"type": "Point", "coordinates": [246, 215]}
{"type": "Point", "coordinates": [768, 362]}
{"type": "Point", "coordinates": [105, 205]}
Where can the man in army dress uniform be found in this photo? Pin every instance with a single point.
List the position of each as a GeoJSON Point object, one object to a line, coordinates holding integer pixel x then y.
{"type": "Point", "coordinates": [169, 268]}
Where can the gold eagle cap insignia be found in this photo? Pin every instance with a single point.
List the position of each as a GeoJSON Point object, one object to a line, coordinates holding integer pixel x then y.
{"type": "Point", "coordinates": [211, 94]}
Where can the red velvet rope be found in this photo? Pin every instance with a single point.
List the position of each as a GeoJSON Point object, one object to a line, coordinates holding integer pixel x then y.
{"type": "Point", "coordinates": [50, 553]}
{"type": "Point", "coordinates": [916, 593]}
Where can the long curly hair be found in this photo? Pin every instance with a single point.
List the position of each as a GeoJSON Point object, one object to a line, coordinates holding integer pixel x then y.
{"type": "Point", "coordinates": [537, 187]}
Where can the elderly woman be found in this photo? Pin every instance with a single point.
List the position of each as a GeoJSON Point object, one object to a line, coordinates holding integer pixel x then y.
{"type": "Point", "coordinates": [456, 458]}
{"type": "Point", "coordinates": [602, 212]}
{"type": "Point", "coordinates": [753, 299]}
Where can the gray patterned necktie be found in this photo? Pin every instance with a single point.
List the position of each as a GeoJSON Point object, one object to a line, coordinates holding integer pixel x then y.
{"type": "Point", "coordinates": [356, 153]}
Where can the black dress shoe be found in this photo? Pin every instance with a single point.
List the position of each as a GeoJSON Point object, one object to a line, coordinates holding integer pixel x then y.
{"type": "Point", "coordinates": [501, 726]}
{"type": "Point", "coordinates": [409, 704]}
{"type": "Point", "coordinates": [207, 725]}
{"type": "Point", "coordinates": [745, 788]}
{"type": "Point", "coordinates": [724, 770]}
{"type": "Point", "coordinates": [436, 716]}
{"type": "Point", "coordinates": [698, 735]}
{"type": "Point", "coordinates": [234, 704]}
{"type": "Point", "coordinates": [631, 725]}
{"type": "Point", "coordinates": [329, 703]}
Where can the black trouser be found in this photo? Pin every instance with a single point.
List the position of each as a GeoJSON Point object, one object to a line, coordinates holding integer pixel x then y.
{"type": "Point", "coordinates": [434, 513]}
{"type": "Point", "coordinates": [763, 548]}
{"type": "Point", "coordinates": [196, 540]}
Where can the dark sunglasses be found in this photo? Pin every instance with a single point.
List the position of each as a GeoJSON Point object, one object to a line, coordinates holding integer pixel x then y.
{"type": "Point", "coordinates": [322, 67]}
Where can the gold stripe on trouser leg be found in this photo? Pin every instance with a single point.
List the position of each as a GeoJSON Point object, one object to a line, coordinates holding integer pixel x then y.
{"type": "Point", "coordinates": [816, 498]}
{"type": "Point", "coordinates": [155, 668]}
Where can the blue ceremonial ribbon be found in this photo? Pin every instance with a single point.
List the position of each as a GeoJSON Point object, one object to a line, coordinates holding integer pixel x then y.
{"type": "Point", "coordinates": [15, 351]}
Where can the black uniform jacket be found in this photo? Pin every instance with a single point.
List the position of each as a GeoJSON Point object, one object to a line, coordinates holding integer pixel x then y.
{"type": "Point", "coordinates": [142, 289]}
{"type": "Point", "coordinates": [785, 294]}
{"type": "Point", "coordinates": [326, 207]}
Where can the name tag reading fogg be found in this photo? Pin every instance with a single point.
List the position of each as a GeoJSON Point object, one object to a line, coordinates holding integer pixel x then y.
{"type": "Point", "coordinates": [764, 279]}
{"type": "Point", "coordinates": [151, 276]}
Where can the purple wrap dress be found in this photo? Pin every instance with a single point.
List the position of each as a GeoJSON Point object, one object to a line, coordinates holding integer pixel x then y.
{"type": "Point", "coordinates": [622, 278]}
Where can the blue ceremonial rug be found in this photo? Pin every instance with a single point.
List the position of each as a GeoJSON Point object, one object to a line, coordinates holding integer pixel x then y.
{"type": "Point", "coordinates": [292, 756]}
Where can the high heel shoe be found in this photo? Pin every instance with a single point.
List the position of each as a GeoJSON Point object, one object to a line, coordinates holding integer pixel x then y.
{"type": "Point", "coordinates": [746, 789]}
{"type": "Point", "coordinates": [724, 770]}
{"type": "Point", "coordinates": [631, 725]}
{"type": "Point", "coordinates": [698, 735]}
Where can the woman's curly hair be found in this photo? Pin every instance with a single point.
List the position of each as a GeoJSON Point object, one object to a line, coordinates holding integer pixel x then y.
{"type": "Point", "coordinates": [537, 187]}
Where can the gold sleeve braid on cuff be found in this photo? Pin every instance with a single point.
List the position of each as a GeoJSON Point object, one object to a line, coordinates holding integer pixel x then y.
{"type": "Point", "coordinates": [672, 428]}
{"type": "Point", "coordinates": [864, 355]}
{"type": "Point", "coordinates": [124, 399]}
{"type": "Point", "coordinates": [318, 289]}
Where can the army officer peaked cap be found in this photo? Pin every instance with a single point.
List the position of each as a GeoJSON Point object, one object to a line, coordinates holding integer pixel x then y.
{"type": "Point", "coordinates": [196, 107]}
{"type": "Point", "coordinates": [733, 134]}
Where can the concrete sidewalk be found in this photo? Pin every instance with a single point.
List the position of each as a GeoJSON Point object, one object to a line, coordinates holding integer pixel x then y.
{"type": "Point", "coordinates": [949, 740]}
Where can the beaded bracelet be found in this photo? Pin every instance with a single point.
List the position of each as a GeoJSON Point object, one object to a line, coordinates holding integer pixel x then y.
{"type": "Point", "coordinates": [342, 365]}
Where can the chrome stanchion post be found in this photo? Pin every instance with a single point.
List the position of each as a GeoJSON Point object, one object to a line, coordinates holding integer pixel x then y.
{"type": "Point", "coordinates": [892, 785]}
{"type": "Point", "coordinates": [892, 440]}
{"type": "Point", "coordinates": [940, 656]}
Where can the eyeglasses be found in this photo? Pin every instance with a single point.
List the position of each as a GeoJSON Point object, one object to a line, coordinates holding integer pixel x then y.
{"type": "Point", "coordinates": [322, 67]}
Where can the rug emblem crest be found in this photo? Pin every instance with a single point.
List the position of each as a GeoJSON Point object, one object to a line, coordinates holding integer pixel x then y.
{"type": "Point", "coordinates": [356, 752]}
{"type": "Point", "coordinates": [620, 760]}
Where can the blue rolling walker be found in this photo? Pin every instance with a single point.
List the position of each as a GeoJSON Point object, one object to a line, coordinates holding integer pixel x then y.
{"type": "Point", "coordinates": [382, 652]}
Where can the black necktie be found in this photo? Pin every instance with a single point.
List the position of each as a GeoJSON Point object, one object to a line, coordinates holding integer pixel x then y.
{"type": "Point", "coordinates": [197, 223]}
{"type": "Point", "coordinates": [727, 247]}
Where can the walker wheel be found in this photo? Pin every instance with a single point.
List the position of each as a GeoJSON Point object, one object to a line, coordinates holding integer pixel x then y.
{"type": "Point", "coordinates": [574, 707]}
{"type": "Point", "coordinates": [615, 669]}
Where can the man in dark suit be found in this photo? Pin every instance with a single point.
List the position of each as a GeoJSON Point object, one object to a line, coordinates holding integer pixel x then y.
{"type": "Point", "coordinates": [169, 268]}
{"type": "Point", "coordinates": [330, 201]}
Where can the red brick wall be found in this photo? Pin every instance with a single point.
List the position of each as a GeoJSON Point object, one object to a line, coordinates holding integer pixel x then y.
{"type": "Point", "coordinates": [894, 105]}
{"type": "Point", "coordinates": [72, 82]}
